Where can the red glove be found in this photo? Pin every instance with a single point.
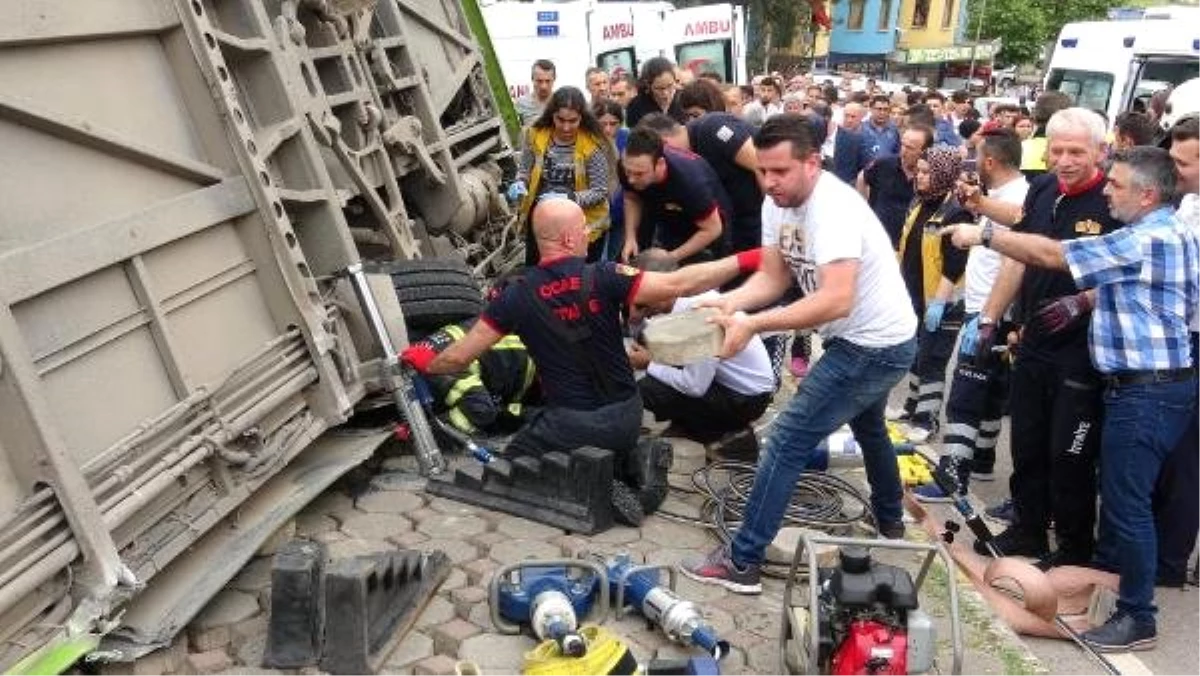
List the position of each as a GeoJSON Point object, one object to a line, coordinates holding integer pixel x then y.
{"type": "Point", "coordinates": [749, 261]}
{"type": "Point", "coordinates": [1064, 313]}
{"type": "Point", "coordinates": [419, 356]}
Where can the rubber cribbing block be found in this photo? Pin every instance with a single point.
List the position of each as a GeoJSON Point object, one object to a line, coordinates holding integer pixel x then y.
{"type": "Point", "coordinates": [295, 626]}
{"type": "Point", "coordinates": [372, 602]}
{"type": "Point", "coordinates": [572, 491]}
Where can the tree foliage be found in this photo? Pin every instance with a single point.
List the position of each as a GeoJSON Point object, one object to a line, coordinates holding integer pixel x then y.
{"type": "Point", "coordinates": [1025, 27]}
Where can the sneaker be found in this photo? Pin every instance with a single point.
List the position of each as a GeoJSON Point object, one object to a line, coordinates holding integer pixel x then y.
{"type": "Point", "coordinates": [892, 530]}
{"type": "Point", "coordinates": [982, 473]}
{"type": "Point", "coordinates": [1121, 633]}
{"type": "Point", "coordinates": [627, 506]}
{"type": "Point", "coordinates": [893, 413]}
{"type": "Point", "coordinates": [719, 569]}
{"type": "Point", "coordinates": [741, 445]}
{"type": "Point", "coordinates": [799, 367]}
{"type": "Point", "coordinates": [1004, 511]}
{"type": "Point", "coordinates": [918, 434]}
{"type": "Point", "coordinates": [931, 492]}
{"type": "Point", "coordinates": [1015, 542]}
{"type": "Point", "coordinates": [952, 468]}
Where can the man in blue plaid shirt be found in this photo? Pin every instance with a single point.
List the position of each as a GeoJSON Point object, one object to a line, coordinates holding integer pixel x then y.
{"type": "Point", "coordinates": [1145, 276]}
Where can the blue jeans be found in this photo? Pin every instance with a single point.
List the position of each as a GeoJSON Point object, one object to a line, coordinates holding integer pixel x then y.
{"type": "Point", "coordinates": [848, 384]}
{"type": "Point", "coordinates": [1142, 424]}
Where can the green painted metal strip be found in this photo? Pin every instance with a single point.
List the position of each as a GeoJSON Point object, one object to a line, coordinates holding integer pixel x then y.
{"type": "Point", "coordinates": [57, 656]}
{"type": "Point", "coordinates": [491, 66]}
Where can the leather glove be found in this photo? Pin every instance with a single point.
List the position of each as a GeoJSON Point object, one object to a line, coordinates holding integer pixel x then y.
{"type": "Point", "coordinates": [969, 339]}
{"type": "Point", "coordinates": [986, 339]}
{"type": "Point", "coordinates": [517, 190]}
{"type": "Point", "coordinates": [933, 314]}
{"type": "Point", "coordinates": [1064, 313]}
{"type": "Point", "coordinates": [419, 356]}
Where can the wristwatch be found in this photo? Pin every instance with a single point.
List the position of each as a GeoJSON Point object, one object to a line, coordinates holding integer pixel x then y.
{"type": "Point", "coordinates": [985, 320]}
{"type": "Point", "coordinates": [985, 234]}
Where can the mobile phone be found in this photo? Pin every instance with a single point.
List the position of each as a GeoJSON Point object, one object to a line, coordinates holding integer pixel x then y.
{"type": "Point", "coordinates": [970, 166]}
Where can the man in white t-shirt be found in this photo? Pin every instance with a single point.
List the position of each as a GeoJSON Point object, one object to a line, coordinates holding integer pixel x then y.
{"type": "Point", "coordinates": [831, 244]}
{"type": "Point", "coordinates": [980, 383]}
{"type": "Point", "coordinates": [711, 399]}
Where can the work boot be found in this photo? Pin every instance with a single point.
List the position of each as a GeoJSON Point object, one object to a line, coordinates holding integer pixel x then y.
{"type": "Point", "coordinates": [955, 468]}
{"type": "Point", "coordinates": [1016, 542]}
{"type": "Point", "coordinates": [740, 445]}
{"type": "Point", "coordinates": [646, 469]}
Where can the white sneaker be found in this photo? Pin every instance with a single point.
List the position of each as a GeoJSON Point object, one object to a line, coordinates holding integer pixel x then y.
{"type": "Point", "coordinates": [894, 413]}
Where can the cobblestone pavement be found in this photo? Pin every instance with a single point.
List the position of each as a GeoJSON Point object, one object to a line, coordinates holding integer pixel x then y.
{"type": "Point", "coordinates": [229, 636]}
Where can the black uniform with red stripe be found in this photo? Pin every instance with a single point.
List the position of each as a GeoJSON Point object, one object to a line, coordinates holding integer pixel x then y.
{"type": "Point", "coordinates": [578, 348]}
{"type": "Point", "coordinates": [689, 194]}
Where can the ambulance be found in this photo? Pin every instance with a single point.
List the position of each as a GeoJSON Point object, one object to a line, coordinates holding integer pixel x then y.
{"type": "Point", "coordinates": [1113, 66]}
{"type": "Point", "coordinates": [710, 38]}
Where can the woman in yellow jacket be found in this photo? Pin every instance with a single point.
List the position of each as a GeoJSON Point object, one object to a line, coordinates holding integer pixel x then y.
{"type": "Point", "coordinates": [565, 153]}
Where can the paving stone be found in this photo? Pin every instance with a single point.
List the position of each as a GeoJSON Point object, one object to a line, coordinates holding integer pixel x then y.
{"type": "Point", "coordinates": [572, 546]}
{"type": "Point", "coordinates": [213, 638]}
{"type": "Point", "coordinates": [616, 535]}
{"type": "Point", "coordinates": [438, 665]}
{"type": "Point", "coordinates": [444, 506]}
{"type": "Point", "coordinates": [497, 653]}
{"type": "Point", "coordinates": [227, 607]}
{"type": "Point", "coordinates": [438, 612]}
{"type": "Point", "coordinates": [697, 592]}
{"type": "Point", "coordinates": [481, 616]}
{"type": "Point", "coordinates": [459, 551]}
{"type": "Point", "coordinates": [455, 580]}
{"type": "Point", "coordinates": [349, 547]}
{"type": "Point", "coordinates": [330, 537]}
{"type": "Point", "coordinates": [517, 527]}
{"type": "Point", "coordinates": [760, 622]}
{"type": "Point", "coordinates": [251, 628]}
{"type": "Point", "coordinates": [664, 556]}
{"type": "Point", "coordinates": [278, 539]}
{"type": "Point", "coordinates": [250, 652]}
{"type": "Point", "coordinates": [763, 657]}
{"type": "Point", "coordinates": [467, 598]}
{"type": "Point", "coordinates": [485, 541]}
{"type": "Point", "coordinates": [375, 526]}
{"type": "Point", "coordinates": [721, 621]}
{"type": "Point", "coordinates": [512, 551]}
{"type": "Point", "coordinates": [675, 535]}
{"type": "Point", "coordinates": [410, 540]}
{"type": "Point", "coordinates": [332, 502]}
{"type": "Point", "coordinates": [783, 547]}
{"type": "Point", "coordinates": [412, 648]}
{"type": "Point", "coordinates": [735, 662]}
{"type": "Point", "coordinates": [449, 636]}
{"type": "Point", "coordinates": [207, 662]}
{"type": "Point", "coordinates": [254, 576]}
{"type": "Point", "coordinates": [736, 604]}
{"type": "Point", "coordinates": [389, 502]}
{"type": "Point", "coordinates": [453, 526]}
{"type": "Point", "coordinates": [479, 572]}
{"type": "Point", "coordinates": [675, 505]}
{"type": "Point", "coordinates": [398, 477]}
{"type": "Point", "coordinates": [423, 514]}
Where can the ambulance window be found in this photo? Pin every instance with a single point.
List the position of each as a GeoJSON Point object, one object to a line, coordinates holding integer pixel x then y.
{"type": "Point", "coordinates": [711, 56]}
{"type": "Point", "coordinates": [1089, 89]}
{"type": "Point", "coordinates": [617, 62]}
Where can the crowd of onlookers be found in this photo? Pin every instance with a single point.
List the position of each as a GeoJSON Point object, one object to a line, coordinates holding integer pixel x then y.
{"type": "Point", "coordinates": [667, 162]}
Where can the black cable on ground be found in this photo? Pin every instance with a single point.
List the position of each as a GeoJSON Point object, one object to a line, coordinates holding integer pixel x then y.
{"type": "Point", "coordinates": [820, 501]}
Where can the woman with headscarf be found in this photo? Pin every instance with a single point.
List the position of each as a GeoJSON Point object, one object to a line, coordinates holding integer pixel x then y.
{"type": "Point", "coordinates": [932, 268]}
{"type": "Point", "coordinates": [656, 87]}
{"type": "Point", "coordinates": [565, 153]}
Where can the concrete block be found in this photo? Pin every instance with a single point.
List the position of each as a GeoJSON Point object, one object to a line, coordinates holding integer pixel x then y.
{"type": "Point", "coordinates": [682, 338]}
{"type": "Point", "coordinates": [449, 636]}
{"type": "Point", "coordinates": [294, 633]}
{"type": "Point", "coordinates": [208, 662]}
{"type": "Point", "coordinates": [352, 547]}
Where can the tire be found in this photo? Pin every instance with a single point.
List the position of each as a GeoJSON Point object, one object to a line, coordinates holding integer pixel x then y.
{"type": "Point", "coordinates": [434, 293]}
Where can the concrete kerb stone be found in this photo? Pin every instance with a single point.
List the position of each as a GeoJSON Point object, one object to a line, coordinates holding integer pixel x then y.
{"type": "Point", "coordinates": [375, 525]}
{"type": "Point", "coordinates": [350, 547]}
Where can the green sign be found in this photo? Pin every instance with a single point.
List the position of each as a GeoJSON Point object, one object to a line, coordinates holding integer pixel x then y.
{"type": "Point", "coordinates": [955, 53]}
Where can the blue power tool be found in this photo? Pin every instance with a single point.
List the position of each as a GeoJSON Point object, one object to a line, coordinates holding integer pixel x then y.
{"type": "Point", "coordinates": [680, 620]}
{"type": "Point", "coordinates": [550, 597]}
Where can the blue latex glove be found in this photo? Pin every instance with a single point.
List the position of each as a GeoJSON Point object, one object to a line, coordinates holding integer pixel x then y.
{"type": "Point", "coordinates": [517, 190]}
{"type": "Point", "coordinates": [933, 314]}
{"type": "Point", "coordinates": [970, 338]}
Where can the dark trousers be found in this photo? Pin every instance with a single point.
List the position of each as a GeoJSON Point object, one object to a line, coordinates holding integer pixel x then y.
{"type": "Point", "coordinates": [1056, 412]}
{"type": "Point", "coordinates": [927, 378]}
{"type": "Point", "coordinates": [556, 429]}
{"type": "Point", "coordinates": [975, 406]}
{"type": "Point", "coordinates": [1177, 505]}
{"type": "Point", "coordinates": [706, 418]}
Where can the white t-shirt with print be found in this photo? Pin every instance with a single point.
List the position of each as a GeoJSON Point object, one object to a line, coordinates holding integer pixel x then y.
{"type": "Point", "coordinates": [835, 223]}
{"type": "Point", "coordinates": [983, 264]}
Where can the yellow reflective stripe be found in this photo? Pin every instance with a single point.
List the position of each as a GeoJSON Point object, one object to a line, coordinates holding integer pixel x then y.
{"type": "Point", "coordinates": [454, 331]}
{"type": "Point", "coordinates": [514, 409]}
{"type": "Point", "coordinates": [464, 385]}
{"type": "Point", "coordinates": [460, 420]}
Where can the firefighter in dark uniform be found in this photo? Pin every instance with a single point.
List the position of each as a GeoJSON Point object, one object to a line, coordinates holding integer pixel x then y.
{"type": "Point", "coordinates": [567, 312]}
{"type": "Point", "coordinates": [1055, 398]}
{"type": "Point", "coordinates": [490, 395]}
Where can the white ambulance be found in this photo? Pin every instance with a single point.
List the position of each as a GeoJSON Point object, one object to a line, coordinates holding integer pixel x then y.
{"type": "Point", "coordinates": [1112, 66]}
{"type": "Point", "coordinates": [710, 38]}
